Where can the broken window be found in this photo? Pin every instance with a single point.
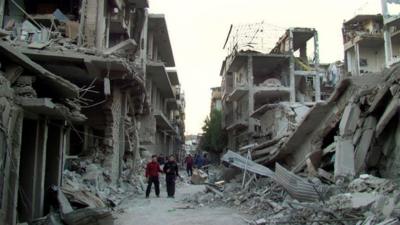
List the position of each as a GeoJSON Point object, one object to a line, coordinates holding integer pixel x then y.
{"type": "Point", "coordinates": [363, 62]}
{"type": "Point", "coordinates": [77, 139]}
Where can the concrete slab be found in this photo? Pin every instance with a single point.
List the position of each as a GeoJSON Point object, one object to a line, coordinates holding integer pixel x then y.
{"type": "Point", "coordinates": [390, 111]}
{"type": "Point", "coordinates": [57, 84]}
{"type": "Point", "coordinates": [350, 117]}
{"type": "Point", "coordinates": [362, 150]}
{"type": "Point", "coordinates": [344, 158]}
{"type": "Point", "coordinates": [123, 48]}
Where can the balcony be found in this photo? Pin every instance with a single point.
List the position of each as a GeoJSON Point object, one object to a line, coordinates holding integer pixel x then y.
{"type": "Point", "coordinates": [365, 39]}
{"type": "Point", "coordinates": [173, 103]}
{"type": "Point", "coordinates": [164, 123]}
{"type": "Point", "coordinates": [158, 28]}
{"type": "Point", "coordinates": [157, 72]}
{"type": "Point", "coordinates": [269, 95]}
{"type": "Point", "coordinates": [173, 76]}
{"type": "Point", "coordinates": [363, 29]}
{"type": "Point", "coordinates": [238, 125]}
{"type": "Point", "coordinates": [238, 92]}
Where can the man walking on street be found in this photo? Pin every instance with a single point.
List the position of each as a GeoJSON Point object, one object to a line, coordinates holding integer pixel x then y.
{"type": "Point", "coordinates": [171, 171]}
{"type": "Point", "coordinates": [189, 165]}
{"type": "Point", "coordinates": [152, 170]}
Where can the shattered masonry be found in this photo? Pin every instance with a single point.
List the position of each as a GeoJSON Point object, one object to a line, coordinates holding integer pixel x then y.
{"type": "Point", "coordinates": [87, 89]}
{"type": "Point", "coordinates": [328, 134]}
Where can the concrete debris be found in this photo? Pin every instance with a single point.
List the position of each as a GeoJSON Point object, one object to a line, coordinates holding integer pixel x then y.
{"type": "Point", "coordinates": [198, 177]}
{"type": "Point", "coordinates": [269, 202]}
{"type": "Point", "coordinates": [339, 166]}
{"type": "Point", "coordinates": [344, 159]}
{"type": "Point", "coordinates": [348, 123]}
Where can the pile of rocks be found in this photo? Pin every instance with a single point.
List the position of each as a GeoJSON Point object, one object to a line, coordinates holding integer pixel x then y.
{"type": "Point", "coordinates": [366, 200]}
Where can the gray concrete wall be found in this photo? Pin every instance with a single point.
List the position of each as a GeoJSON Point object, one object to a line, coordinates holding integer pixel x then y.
{"type": "Point", "coordinates": [10, 142]}
{"type": "Point", "coordinates": [113, 111]}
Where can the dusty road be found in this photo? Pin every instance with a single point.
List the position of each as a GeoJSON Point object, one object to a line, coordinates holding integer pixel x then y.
{"type": "Point", "coordinates": [157, 211]}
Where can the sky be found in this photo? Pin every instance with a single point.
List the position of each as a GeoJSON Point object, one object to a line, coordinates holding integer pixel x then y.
{"type": "Point", "coordinates": [198, 29]}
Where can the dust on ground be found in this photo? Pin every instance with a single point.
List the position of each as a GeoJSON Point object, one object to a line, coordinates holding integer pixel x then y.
{"type": "Point", "coordinates": [154, 211]}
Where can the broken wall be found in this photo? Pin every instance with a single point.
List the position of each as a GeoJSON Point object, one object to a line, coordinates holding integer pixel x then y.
{"type": "Point", "coordinates": [372, 59]}
{"type": "Point", "coordinates": [275, 122]}
{"type": "Point", "coordinates": [323, 124]}
{"type": "Point", "coordinates": [10, 143]}
{"type": "Point", "coordinates": [147, 129]}
{"type": "Point", "coordinates": [114, 110]}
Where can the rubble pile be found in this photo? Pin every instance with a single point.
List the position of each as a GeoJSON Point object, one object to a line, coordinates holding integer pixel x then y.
{"type": "Point", "coordinates": [88, 183]}
{"type": "Point", "coordinates": [366, 200]}
{"type": "Point", "coordinates": [86, 196]}
{"type": "Point", "coordinates": [339, 166]}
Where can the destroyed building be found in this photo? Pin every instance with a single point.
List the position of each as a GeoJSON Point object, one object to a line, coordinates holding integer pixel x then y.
{"type": "Point", "coordinates": [364, 44]}
{"type": "Point", "coordinates": [216, 101]}
{"type": "Point", "coordinates": [371, 42]}
{"type": "Point", "coordinates": [337, 165]}
{"type": "Point", "coordinates": [162, 131]}
{"type": "Point", "coordinates": [77, 82]}
{"type": "Point", "coordinates": [263, 88]}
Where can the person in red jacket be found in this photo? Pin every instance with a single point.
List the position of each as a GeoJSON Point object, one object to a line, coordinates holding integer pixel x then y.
{"type": "Point", "coordinates": [189, 165]}
{"type": "Point", "coordinates": [152, 170]}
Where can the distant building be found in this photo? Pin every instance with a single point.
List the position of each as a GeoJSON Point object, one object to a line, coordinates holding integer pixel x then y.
{"type": "Point", "coordinates": [192, 143]}
{"type": "Point", "coordinates": [364, 44]}
{"type": "Point", "coordinates": [260, 91]}
{"type": "Point", "coordinates": [161, 131]}
{"type": "Point", "coordinates": [216, 99]}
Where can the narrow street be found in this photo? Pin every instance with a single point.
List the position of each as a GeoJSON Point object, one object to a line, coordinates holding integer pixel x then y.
{"type": "Point", "coordinates": [283, 112]}
{"type": "Point", "coordinates": [163, 210]}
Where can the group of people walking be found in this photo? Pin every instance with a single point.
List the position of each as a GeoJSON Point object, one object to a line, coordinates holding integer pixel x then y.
{"type": "Point", "coordinates": [153, 169]}
{"type": "Point", "coordinates": [171, 171]}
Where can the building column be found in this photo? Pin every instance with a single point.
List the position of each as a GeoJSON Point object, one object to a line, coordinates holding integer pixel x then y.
{"type": "Point", "coordinates": [143, 43]}
{"type": "Point", "coordinates": [121, 134]}
{"type": "Point", "coordinates": [317, 83]}
{"type": "Point", "coordinates": [2, 2]}
{"type": "Point", "coordinates": [101, 25]}
{"type": "Point", "coordinates": [39, 169]}
{"type": "Point", "coordinates": [291, 69]}
{"type": "Point", "coordinates": [112, 138]}
{"type": "Point", "coordinates": [150, 45]}
{"type": "Point", "coordinates": [357, 55]}
{"type": "Point", "coordinates": [250, 77]}
{"type": "Point", "coordinates": [15, 131]}
{"type": "Point", "coordinates": [386, 35]}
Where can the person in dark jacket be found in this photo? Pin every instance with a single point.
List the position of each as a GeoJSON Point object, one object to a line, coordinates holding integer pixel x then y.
{"type": "Point", "coordinates": [189, 165]}
{"type": "Point", "coordinates": [199, 161]}
{"type": "Point", "coordinates": [152, 171]}
{"type": "Point", "coordinates": [171, 171]}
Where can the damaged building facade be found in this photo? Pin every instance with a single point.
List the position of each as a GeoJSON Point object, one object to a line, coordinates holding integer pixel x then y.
{"type": "Point", "coordinates": [265, 94]}
{"type": "Point", "coordinates": [162, 131]}
{"type": "Point", "coordinates": [77, 79]}
{"type": "Point", "coordinates": [371, 42]}
{"type": "Point", "coordinates": [216, 100]}
{"type": "Point", "coordinates": [340, 160]}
